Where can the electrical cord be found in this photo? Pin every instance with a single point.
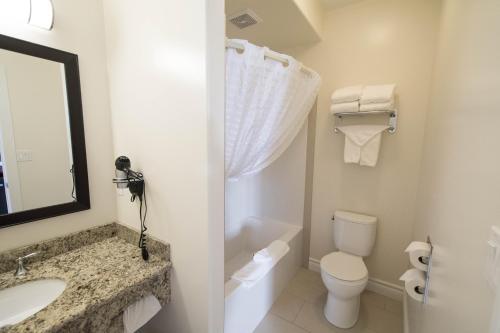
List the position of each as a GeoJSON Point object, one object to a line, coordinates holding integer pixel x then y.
{"type": "Point", "coordinates": [137, 187]}
{"type": "Point", "coordinates": [142, 238]}
{"type": "Point", "coordinates": [72, 171]}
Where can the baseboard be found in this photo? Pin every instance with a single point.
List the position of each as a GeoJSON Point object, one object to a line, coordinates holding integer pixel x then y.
{"type": "Point", "coordinates": [386, 289]}
{"type": "Point", "coordinates": [378, 286]}
{"type": "Point", "coordinates": [314, 265]}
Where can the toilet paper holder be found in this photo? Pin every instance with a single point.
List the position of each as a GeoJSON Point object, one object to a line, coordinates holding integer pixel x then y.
{"type": "Point", "coordinates": [428, 261]}
{"type": "Point", "coordinates": [417, 278]}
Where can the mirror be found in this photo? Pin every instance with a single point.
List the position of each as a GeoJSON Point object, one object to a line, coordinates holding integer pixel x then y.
{"type": "Point", "coordinates": [43, 170]}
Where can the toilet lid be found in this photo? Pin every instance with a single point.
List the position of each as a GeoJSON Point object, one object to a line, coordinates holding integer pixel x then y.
{"type": "Point", "coordinates": [344, 266]}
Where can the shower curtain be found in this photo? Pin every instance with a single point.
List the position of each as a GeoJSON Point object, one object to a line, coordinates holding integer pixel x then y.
{"type": "Point", "coordinates": [266, 105]}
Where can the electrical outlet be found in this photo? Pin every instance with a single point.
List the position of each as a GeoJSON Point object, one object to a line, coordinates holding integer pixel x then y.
{"type": "Point", "coordinates": [24, 155]}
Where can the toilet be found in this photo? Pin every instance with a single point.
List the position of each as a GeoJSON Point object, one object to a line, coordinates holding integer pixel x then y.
{"type": "Point", "coordinates": [343, 272]}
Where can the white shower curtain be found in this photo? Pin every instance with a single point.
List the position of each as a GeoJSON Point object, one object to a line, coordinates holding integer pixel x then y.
{"type": "Point", "coordinates": [266, 105]}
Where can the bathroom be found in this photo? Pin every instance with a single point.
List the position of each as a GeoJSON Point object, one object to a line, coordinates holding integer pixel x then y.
{"type": "Point", "coordinates": [148, 100]}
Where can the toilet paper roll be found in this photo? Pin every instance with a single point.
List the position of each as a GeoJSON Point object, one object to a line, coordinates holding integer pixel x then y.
{"type": "Point", "coordinates": [414, 278]}
{"type": "Point", "coordinates": [416, 251]}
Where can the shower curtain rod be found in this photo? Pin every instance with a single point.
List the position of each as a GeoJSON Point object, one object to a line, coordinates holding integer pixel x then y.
{"type": "Point", "coordinates": [269, 55]}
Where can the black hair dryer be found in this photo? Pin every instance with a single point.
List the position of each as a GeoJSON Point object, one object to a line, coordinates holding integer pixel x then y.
{"type": "Point", "coordinates": [125, 177]}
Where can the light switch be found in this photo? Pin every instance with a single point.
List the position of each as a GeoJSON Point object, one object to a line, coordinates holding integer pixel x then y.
{"type": "Point", "coordinates": [24, 155]}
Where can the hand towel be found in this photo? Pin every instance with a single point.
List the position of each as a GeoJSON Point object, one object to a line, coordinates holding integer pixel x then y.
{"type": "Point", "coordinates": [377, 94]}
{"type": "Point", "coordinates": [262, 256]}
{"type": "Point", "coordinates": [139, 313]}
{"type": "Point", "coordinates": [344, 107]}
{"type": "Point", "coordinates": [347, 94]}
{"type": "Point", "coordinates": [274, 250]}
{"type": "Point", "coordinates": [252, 272]}
{"type": "Point", "coordinates": [362, 143]}
{"type": "Point", "coordinates": [377, 106]}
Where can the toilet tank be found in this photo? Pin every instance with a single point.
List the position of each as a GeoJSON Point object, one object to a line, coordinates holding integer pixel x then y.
{"type": "Point", "coordinates": [354, 233]}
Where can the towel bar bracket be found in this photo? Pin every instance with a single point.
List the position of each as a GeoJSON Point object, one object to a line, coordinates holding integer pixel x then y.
{"type": "Point", "coordinates": [393, 122]}
{"type": "Point", "coordinates": [393, 118]}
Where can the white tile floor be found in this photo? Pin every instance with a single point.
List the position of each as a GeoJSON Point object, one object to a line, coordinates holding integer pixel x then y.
{"type": "Point", "coordinates": [299, 309]}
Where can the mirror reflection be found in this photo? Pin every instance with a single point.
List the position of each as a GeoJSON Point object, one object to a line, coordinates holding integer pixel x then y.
{"type": "Point", "coordinates": [36, 162]}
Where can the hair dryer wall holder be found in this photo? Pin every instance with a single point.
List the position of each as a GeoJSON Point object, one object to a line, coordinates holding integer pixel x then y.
{"type": "Point", "coordinates": [134, 181]}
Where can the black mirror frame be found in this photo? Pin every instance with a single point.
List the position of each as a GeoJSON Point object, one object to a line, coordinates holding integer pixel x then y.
{"type": "Point", "coordinates": [74, 101]}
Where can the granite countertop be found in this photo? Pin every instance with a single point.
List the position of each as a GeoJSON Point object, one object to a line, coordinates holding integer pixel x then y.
{"type": "Point", "coordinates": [102, 279]}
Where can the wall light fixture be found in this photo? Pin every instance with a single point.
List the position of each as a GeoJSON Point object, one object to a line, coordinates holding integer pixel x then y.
{"type": "Point", "coordinates": [41, 14]}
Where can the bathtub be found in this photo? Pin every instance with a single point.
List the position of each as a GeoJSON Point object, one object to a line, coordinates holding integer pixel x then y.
{"type": "Point", "coordinates": [246, 307]}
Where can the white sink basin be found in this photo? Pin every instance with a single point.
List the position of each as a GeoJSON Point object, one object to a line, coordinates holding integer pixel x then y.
{"type": "Point", "coordinates": [19, 302]}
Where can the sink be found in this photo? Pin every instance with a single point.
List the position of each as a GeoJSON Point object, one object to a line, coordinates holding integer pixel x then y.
{"type": "Point", "coordinates": [21, 301]}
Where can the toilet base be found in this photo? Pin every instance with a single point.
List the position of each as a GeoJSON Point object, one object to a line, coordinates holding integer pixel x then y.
{"type": "Point", "coordinates": [342, 313]}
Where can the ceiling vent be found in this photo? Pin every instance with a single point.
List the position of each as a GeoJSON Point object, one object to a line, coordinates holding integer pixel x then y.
{"type": "Point", "coordinates": [244, 19]}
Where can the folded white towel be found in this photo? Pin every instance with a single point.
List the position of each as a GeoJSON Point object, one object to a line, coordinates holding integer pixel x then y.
{"type": "Point", "coordinates": [274, 250]}
{"type": "Point", "coordinates": [262, 256]}
{"type": "Point", "coordinates": [252, 272]}
{"type": "Point", "coordinates": [347, 94]}
{"type": "Point", "coordinates": [378, 94]}
{"type": "Point", "coordinates": [362, 143]}
{"type": "Point", "coordinates": [344, 107]}
{"type": "Point", "coordinates": [139, 313]}
{"type": "Point", "coordinates": [377, 106]}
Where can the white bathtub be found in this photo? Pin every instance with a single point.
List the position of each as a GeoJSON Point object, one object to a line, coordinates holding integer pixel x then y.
{"type": "Point", "coordinates": [246, 307]}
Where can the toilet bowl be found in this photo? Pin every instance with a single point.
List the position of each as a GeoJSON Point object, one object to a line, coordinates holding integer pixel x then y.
{"type": "Point", "coordinates": [345, 276]}
{"type": "Point", "coordinates": [343, 272]}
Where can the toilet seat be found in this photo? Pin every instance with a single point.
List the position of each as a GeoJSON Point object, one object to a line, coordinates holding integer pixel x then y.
{"type": "Point", "coordinates": [344, 266]}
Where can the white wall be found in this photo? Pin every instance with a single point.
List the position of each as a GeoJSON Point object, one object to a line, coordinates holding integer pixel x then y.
{"type": "Point", "coordinates": [373, 42]}
{"type": "Point", "coordinates": [460, 182]}
{"type": "Point", "coordinates": [166, 65]}
{"type": "Point", "coordinates": [37, 107]}
{"type": "Point", "coordinates": [216, 80]}
{"type": "Point", "coordinates": [78, 29]}
{"type": "Point", "coordinates": [313, 11]}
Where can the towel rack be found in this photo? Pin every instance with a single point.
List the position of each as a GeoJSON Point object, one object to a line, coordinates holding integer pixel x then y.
{"type": "Point", "coordinates": [393, 118]}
